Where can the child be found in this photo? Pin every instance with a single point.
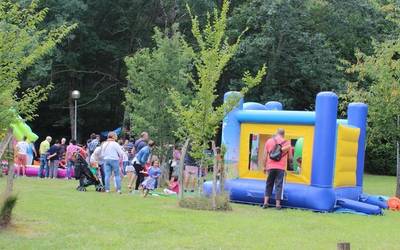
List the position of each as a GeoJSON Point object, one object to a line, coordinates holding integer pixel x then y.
{"type": "Point", "coordinates": [149, 184]}
{"type": "Point", "coordinates": [173, 186]}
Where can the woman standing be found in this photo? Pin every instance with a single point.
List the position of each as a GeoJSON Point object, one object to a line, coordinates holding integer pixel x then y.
{"type": "Point", "coordinates": [140, 161]}
{"type": "Point", "coordinates": [111, 153]}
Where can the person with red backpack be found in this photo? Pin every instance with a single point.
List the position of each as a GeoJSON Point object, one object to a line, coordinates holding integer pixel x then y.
{"type": "Point", "coordinates": [275, 157]}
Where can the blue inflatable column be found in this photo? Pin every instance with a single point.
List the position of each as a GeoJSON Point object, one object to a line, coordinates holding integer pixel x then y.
{"type": "Point", "coordinates": [324, 140]}
{"type": "Point", "coordinates": [357, 116]}
{"type": "Point", "coordinates": [231, 130]}
{"type": "Point", "coordinates": [273, 105]}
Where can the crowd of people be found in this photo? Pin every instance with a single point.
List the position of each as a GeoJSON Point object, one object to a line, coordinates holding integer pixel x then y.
{"type": "Point", "coordinates": [111, 160]}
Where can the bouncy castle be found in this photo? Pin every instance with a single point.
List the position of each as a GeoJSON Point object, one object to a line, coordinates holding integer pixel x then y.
{"type": "Point", "coordinates": [328, 154]}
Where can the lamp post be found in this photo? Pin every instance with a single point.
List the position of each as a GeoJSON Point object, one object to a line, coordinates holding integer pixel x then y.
{"type": "Point", "coordinates": [75, 95]}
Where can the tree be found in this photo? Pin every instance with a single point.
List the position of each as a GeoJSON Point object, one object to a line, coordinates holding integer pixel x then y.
{"type": "Point", "coordinates": [199, 118]}
{"type": "Point", "coordinates": [302, 43]}
{"type": "Point", "coordinates": [92, 60]}
{"type": "Point", "coordinates": [382, 71]}
{"type": "Point", "coordinates": [22, 44]}
{"type": "Point", "coordinates": [152, 73]}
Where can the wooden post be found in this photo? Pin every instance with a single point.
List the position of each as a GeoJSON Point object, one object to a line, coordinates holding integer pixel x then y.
{"type": "Point", "coordinates": [4, 143]}
{"type": "Point", "coordinates": [181, 166]}
{"type": "Point", "coordinates": [343, 246]}
{"type": "Point", "coordinates": [214, 181]}
{"type": "Point", "coordinates": [398, 160]}
{"type": "Point", "coordinates": [10, 176]}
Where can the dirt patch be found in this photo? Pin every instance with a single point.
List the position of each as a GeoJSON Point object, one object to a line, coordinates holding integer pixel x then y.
{"type": "Point", "coordinates": [27, 229]}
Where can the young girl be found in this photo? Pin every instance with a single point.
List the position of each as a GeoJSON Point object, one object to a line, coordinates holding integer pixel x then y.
{"type": "Point", "coordinates": [173, 186]}
{"type": "Point", "coordinates": [149, 184]}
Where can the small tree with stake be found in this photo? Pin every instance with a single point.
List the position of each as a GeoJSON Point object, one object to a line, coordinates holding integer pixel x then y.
{"type": "Point", "coordinates": [22, 43]}
{"type": "Point", "coordinates": [199, 118]}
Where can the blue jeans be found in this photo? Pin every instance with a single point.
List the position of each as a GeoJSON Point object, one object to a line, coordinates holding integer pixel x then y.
{"type": "Point", "coordinates": [70, 165]}
{"type": "Point", "coordinates": [112, 166]}
{"type": "Point", "coordinates": [43, 166]}
{"type": "Point", "coordinates": [54, 168]}
{"type": "Point", "coordinates": [124, 165]}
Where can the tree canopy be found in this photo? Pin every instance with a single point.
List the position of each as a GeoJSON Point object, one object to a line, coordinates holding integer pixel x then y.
{"type": "Point", "coordinates": [304, 44]}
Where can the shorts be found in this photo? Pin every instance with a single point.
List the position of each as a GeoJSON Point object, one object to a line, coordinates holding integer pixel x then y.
{"type": "Point", "coordinates": [275, 179]}
{"type": "Point", "coordinates": [192, 170]}
{"type": "Point", "coordinates": [129, 169]}
{"type": "Point", "coordinates": [21, 159]}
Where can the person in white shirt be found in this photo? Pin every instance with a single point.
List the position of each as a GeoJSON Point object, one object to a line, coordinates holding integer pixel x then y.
{"type": "Point", "coordinates": [22, 148]}
{"type": "Point", "coordinates": [96, 160]}
{"type": "Point", "coordinates": [111, 153]}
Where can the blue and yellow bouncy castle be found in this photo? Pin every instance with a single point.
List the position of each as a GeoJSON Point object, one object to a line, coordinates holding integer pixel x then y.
{"type": "Point", "coordinates": [328, 170]}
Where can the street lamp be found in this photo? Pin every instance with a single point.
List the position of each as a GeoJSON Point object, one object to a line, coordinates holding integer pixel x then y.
{"type": "Point", "coordinates": [75, 94]}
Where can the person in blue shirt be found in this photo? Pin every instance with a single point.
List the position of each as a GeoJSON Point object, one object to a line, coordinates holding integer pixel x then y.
{"type": "Point", "coordinates": [150, 183]}
{"type": "Point", "coordinates": [140, 161]}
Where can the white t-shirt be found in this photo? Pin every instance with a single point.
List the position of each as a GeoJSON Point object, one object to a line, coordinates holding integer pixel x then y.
{"type": "Point", "coordinates": [22, 147]}
{"type": "Point", "coordinates": [124, 155]}
{"type": "Point", "coordinates": [110, 150]}
{"type": "Point", "coordinates": [95, 157]}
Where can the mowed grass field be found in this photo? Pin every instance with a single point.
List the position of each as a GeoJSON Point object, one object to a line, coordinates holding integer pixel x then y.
{"type": "Point", "coordinates": [50, 214]}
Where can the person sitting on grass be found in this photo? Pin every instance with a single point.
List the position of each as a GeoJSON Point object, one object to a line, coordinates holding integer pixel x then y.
{"type": "Point", "coordinates": [173, 186]}
{"type": "Point", "coordinates": [149, 184]}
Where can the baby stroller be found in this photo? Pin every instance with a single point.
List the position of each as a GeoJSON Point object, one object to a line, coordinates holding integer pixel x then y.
{"type": "Point", "coordinates": [83, 173]}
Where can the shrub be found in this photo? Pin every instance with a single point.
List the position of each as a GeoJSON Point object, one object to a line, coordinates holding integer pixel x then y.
{"type": "Point", "coordinates": [6, 211]}
{"type": "Point", "coordinates": [205, 203]}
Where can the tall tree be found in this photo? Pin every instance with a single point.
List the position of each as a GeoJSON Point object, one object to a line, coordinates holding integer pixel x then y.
{"type": "Point", "coordinates": [92, 60]}
{"type": "Point", "coordinates": [199, 118]}
{"type": "Point", "coordinates": [302, 42]}
{"type": "Point", "coordinates": [22, 43]}
{"type": "Point", "coordinates": [381, 71]}
{"type": "Point", "coordinates": [152, 73]}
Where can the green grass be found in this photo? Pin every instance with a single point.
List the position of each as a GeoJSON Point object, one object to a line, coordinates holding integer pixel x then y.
{"type": "Point", "coordinates": [50, 214]}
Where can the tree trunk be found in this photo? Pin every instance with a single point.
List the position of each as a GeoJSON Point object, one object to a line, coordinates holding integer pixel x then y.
{"type": "Point", "coordinates": [222, 175]}
{"type": "Point", "coordinates": [10, 178]}
{"type": "Point", "coordinates": [200, 177]}
{"type": "Point", "coordinates": [214, 182]}
{"type": "Point", "coordinates": [4, 143]}
{"type": "Point", "coordinates": [181, 163]}
{"type": "Point", "coordinates": [398, 161]}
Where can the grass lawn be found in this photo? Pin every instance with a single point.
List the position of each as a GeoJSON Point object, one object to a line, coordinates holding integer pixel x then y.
{"type": "Point", "coordinates": [50, 214]}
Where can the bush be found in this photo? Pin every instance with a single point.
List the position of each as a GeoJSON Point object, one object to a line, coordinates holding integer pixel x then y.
{"type": "Point", "coordinates": [205, 203]}
{"type": "Point", "coordinates": [381, 159]}
{"type": "Point", "coordinates": [6, 211]}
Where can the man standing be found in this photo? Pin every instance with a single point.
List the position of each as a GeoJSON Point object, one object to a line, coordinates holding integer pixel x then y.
{"type": "Point", "coordinates": [92, 145]}
{"type": "Point", "coordinates": [63, 147]}
{"type": "Point", "coordinates": [141, 142]}
{"type": "Point", "coordinates": [275, 155]}
{"type": "Point", "coordinates": [191, 172]}
{"type": "Point", "coordinates": [43, 148]}
{"type": "Point", "coordinates": [54, 157]}
{"type": "Point", "coordinates": [22, 148]}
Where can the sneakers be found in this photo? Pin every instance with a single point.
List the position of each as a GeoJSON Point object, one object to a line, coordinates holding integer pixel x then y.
{"type": "Point", "coordinates": [264, 206]}
{"type": "Point", "coordinates": [119, 192]}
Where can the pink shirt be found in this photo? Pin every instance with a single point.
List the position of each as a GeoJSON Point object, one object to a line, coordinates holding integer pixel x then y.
{"type": "Point", "coordinates": [174, 186]}
{"type": "Point", "coordinates": [71, 148]}
{"type": "Point", "coordinates": [269, 146]}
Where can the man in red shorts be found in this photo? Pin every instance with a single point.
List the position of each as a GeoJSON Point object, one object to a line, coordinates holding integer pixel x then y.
{"type": "Point", "coordinates": [275, 166]}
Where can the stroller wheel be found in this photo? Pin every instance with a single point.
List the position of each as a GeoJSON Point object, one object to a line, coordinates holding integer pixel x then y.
{"type": "Point", "coordinates": [100, 188]}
